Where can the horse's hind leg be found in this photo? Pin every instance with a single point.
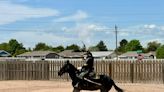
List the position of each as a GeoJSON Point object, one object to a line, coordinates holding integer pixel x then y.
{"type": "Point", "coordinates": [76, 90]}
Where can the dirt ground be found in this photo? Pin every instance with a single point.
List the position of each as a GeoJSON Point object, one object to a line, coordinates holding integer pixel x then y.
{"type": "Point", "coordinates": [57, 86]}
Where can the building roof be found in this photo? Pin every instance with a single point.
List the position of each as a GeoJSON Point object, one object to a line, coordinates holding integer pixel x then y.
{"type": "Point", "coordinates": [4, 53]}
{"type": "Point", "coordinates": [152, 53]}
{"type": "Point", "coordinates": [101, 53]}
{"type": "Point", "coordinates": [130, 53]}
{"type": "Point", "coordinates": [135, 54]}
{"type": "Point", "coordinates": [71, 53]}
{"type": "Point", "coordinates": [36, 53]}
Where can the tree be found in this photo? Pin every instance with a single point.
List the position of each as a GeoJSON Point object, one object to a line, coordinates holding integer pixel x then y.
{"type": "Point", "coordinates": [58, 48]}
{"type": "Point", "coordinates": [15, 47]}
{"type": "Point", "coordinates": [122, 47]}
{"type": "Point", "coordinates": [152, 46]}
{"type": "Point", "coordinates": [73, 47]}
{"type": "Point", "coordinates": [160, 52]}
{"type": "Point", "coordinates": [42, 46]}
{"type": "Point", "coordinates": [4, 46]}
{"type": "Point", "coordinates": [101, 46]}
{"type": "Point", "coordinates": [134, 45]}
{"type": "Point", "coordinates": [123, 42]}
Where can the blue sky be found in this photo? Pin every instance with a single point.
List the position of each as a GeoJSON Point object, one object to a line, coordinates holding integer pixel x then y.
{"type": "Point", "coordinates": [63, 22]}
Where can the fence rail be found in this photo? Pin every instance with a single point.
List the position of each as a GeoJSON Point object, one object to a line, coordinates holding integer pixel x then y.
{"type": "Point", "coordinates": [123, 71]}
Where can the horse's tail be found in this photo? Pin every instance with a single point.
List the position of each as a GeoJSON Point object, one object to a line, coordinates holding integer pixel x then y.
{"type": "Point", "coordinates": [117, 88]}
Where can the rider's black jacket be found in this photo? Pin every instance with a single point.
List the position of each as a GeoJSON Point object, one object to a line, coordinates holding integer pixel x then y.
{"type": "Point", "coordinates": [89, 62]}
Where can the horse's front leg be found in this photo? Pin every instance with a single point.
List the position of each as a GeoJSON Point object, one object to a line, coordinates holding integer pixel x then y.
{"type": "Point", "coordinates": [76, 90]}
{"type": "Point", "coordinates": [103, 90]}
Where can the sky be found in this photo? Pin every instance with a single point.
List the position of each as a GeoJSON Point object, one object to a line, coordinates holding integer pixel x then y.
{"type": "Point", "coordinates": [66, 22]}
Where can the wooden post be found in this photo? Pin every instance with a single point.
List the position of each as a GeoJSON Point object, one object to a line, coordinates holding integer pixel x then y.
{"type": "Point", "coordinates": [163, 72]}
{"type": "Point", "coordinates": [132, 72]}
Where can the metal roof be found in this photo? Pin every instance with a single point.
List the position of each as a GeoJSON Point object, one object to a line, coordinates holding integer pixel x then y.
{"type": "Point", "coordinates": [36, 53]}
{"type": "Point", "coordinates": [101, 53]}
{"type": "Point", "coordinates": [6, 53]}
{"type": "Point", "coordinates": [71, 53]}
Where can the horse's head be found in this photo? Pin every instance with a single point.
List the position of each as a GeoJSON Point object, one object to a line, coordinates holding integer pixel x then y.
{"type": "Point", "coordinates": [65, 68]}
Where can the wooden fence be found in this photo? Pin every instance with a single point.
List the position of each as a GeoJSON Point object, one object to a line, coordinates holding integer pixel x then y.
{"type": "Point", "coordinates": [123, 71]}
{"type": "Point", "coordinates": [19, 70]}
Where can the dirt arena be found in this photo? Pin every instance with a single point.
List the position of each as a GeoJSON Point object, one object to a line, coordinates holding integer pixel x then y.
{"type": "Point", "coordinates": [53, 86]}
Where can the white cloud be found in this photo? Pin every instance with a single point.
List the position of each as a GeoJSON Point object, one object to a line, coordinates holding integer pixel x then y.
{"type": "Point", "coordinates": [86, 31]}
{"type": "Point", "coordinates": [124, 34]}
{"type": "Point", "coordinates": [29, 39]}
{"type": "Point", "coordinates": [78, 16]}
{"type": "Point", "coordinates": [10, 12]}
{"type": "Point", "coordinates": [157, 39]}
{"type": "Point", "coordinates": [141, 30]}
{"type": "Point", "coordinates": [150, 26]}
{"type": "Point", "coordinates": [162, 28]}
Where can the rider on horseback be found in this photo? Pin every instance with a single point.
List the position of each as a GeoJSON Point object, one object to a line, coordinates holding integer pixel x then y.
{"type": "Point", "coordinates": [88, 68]}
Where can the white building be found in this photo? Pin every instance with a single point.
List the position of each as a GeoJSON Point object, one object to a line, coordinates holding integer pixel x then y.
{"type": "Point", "coordinates": [39, 55]}
{"type": "Point", "coordinates": [134, 55]}
{"type": "Point", "coordinates": [103, 54]}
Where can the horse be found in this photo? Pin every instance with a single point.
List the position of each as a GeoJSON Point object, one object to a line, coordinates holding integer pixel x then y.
{"type": "Point", "coordinates": [105, 81]}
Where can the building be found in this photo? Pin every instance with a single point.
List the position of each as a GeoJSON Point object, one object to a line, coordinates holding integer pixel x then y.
{"type": "Point", "coordinates": [4, 53]}
{"type": "Point", "coordinates": [134, 55]}
{"type": "Point", "coordinates": [70, 54]}
{"type": "Point", "coordinates": [104, 54]}
{"type": "Point", "coordinates": [96, 54]}
{"type": "Point", "coordinates": [39, 55]}
{"type": "Point", "coordinates": [150, 55]}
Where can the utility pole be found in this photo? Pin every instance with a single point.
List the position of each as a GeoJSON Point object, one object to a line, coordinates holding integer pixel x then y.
{"type": "Point", "coordinates": [116, 32]}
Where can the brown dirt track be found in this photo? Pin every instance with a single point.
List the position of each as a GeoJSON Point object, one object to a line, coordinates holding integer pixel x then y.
{"type": "Point", "coordinates": [57, 86]}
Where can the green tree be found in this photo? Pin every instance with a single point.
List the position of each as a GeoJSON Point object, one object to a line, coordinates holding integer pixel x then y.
{"type": "Point", "coordinates": [42, 46]}
{"type": "Point", "coordinates": [122, 47]}
{"type": "Point", "coordinates": [15, 47]}
{"type": "Point", "coordinates": [101, 46]}
{"type": "Point", "coordinates": [58, 48]}
{"type": "Point", "coordinates": [4, 46]}
{"type": "Point", "coordinates": [73, 47]}
{"type": "Point", "coordinates": [134, 45]}
{"type": "Point", "coordinates": [123, 42]}
{"type": "Point", "coordinates": [160, 52]}
{"type": "Point", "coordinates": [152, 46]}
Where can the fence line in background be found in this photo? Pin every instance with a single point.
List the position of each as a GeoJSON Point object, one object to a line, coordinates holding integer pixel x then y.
{"type": "Point", "coordinates": [123, 71]}
{"type": "Point", "coordinates": [20, 70]}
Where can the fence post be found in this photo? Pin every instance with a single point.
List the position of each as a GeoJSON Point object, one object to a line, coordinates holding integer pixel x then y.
{"type": "Point", "coordinates": [132, 71]}
{"type": "Point", "coordinates": [110, 69]}
{"type": "Point", "coordinates": [163, 72]}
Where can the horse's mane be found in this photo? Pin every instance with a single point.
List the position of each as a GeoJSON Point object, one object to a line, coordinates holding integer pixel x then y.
{"type": "Point", "coordinates": [73, 67]}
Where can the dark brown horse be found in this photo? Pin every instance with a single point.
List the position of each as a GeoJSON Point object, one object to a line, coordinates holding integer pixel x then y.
{"type": "Point", "coordinates": [105, 82]}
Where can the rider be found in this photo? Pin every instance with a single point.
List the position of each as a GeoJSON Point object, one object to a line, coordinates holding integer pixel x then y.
{"type": "Point", "coordinates": [87, 68]}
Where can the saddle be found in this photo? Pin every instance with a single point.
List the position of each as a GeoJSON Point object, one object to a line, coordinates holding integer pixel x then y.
{"type": "Point", "coordinates": [91, 75]}
{"type": "Point", "coordinates": [94, 76]}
